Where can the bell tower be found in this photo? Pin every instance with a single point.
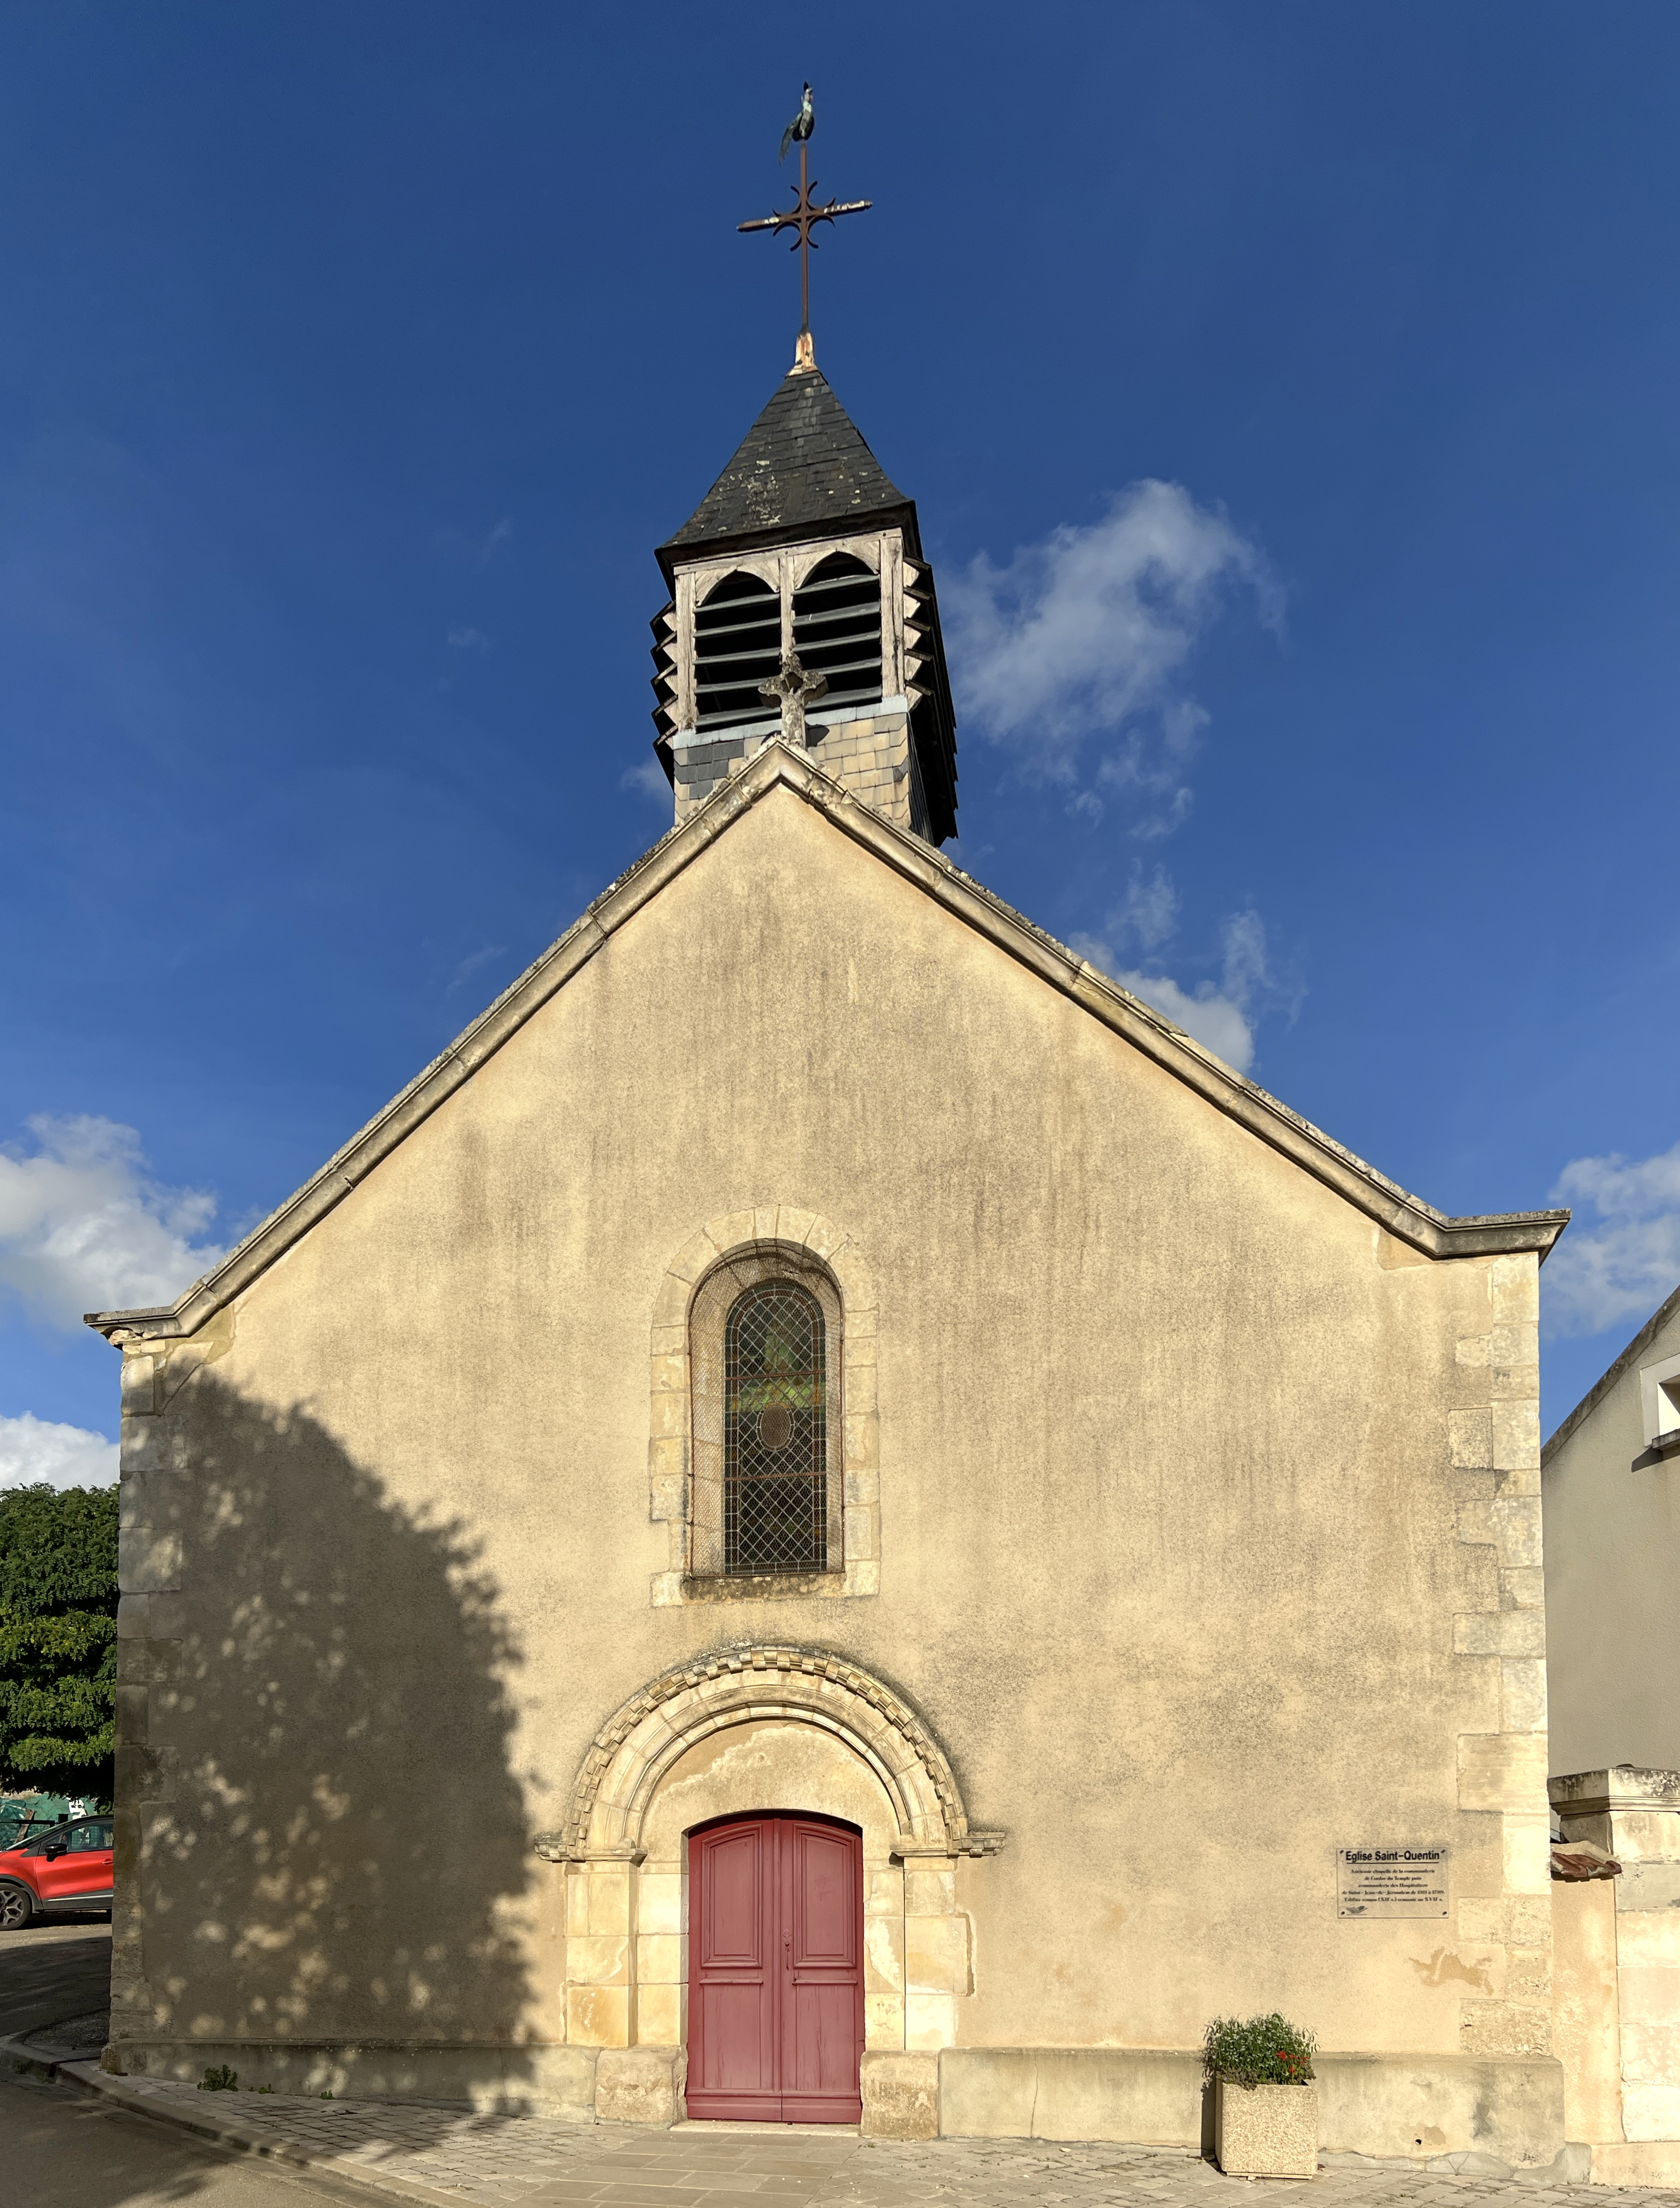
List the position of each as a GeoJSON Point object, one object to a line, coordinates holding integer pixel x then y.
{"type": "Point", "coordinates": [800, 606]}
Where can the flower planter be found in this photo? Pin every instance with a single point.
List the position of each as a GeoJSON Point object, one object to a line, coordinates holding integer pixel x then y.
{"type": "Point", "coordinates": [1266, 2131]}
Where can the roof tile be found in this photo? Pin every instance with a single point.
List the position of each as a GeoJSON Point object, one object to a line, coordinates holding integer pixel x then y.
{"type": "Point", "coordinates": [803, 464]}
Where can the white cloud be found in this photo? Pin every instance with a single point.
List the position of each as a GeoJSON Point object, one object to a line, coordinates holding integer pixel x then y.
{"type": "Point", "coordinates": [466, 639]}
{"type": "Point", "coordinates": [1221, 1017]}
{"type": "Point", "coordinates": [34, 1449]}
{"type": "Point", "coordinates": [463, 549]}
{"type": "Point", "coordinates": [1148, 912]}
{"type": "Point", "coordinates": [1625, 1265]}
{"type": "Point", "coordinates": [1214, 1020]}
{"type": "Point", "coordinates": [1086, 636]}
{"type": "Point", "coordinates": [649, 776]}
{"type": "Point", "coordinates": [1247, 970]}
{"type": "Point", "coordinates": [85, 1227]}
{"type": "Point", "coordinates": [469, 966]}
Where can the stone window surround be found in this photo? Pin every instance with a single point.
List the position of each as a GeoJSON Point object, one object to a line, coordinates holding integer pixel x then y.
{"type": "Point", "coordinates": [803, 1239]}
{"type": "Point", "coordinates": [708, 1314]}
{"type": "Point", "coordinates": [784, 569]}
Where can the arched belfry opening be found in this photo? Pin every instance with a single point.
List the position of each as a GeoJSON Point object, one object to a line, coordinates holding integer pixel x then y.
{"type": "Point", "coordinates": [838, 628]}
{"type": "Point", "coordinates": [803, 551]}
{"type": "Point", "coordinates": [737, 646]}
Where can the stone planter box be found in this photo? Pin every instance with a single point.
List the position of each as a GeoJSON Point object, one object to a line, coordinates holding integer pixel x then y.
{"type": "Point", "coordinates": [1266, 2131]}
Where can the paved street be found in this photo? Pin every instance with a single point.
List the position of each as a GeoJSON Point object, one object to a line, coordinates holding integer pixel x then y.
{"type": "Point", "coordinates": [530, 2162]}
{"type": "Point", "coordinates": [50, 1971]}
{"type": "Point", "coordinates": [60, 2149]}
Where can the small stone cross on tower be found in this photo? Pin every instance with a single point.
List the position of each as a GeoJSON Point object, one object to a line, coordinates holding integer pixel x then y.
{"type": "Point", "coordinates": [796, 688]}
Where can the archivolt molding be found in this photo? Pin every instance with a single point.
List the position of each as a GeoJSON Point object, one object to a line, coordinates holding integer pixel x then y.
{"type": "Point", "coordinates": [736, 1686]}
{"type": "Point", "coordinates": [808, 1237]}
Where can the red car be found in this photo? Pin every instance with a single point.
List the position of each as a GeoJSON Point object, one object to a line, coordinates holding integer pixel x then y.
{"type": "Point", "coordinates": [67, 1868]}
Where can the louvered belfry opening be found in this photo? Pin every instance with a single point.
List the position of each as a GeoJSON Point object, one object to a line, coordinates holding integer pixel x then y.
{"type": "Point", "coordinates": [838, 628]}
{"type": "Point", "coordinates": [806, 502]}
{"type": "Point", "coordinates": [775, 1435]}
{"type": "Point", "coordinates": [737, 646]}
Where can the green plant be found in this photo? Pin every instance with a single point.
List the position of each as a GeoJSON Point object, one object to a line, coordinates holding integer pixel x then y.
{"type": "Point", "coordinates": [1266, 2050]}
{"type": "Point", "coordinates": [59, 1640]}
{"type": "Point", "coordinates": [264, 2088]}
{"type": "Point", "coordinates": [221, 2080]}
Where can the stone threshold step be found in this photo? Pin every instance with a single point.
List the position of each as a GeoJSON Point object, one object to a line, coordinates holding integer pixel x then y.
{"type": "Point", "coordinates": [720, 2124]}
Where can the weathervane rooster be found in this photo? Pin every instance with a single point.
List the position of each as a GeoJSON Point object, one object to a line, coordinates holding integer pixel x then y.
{"type": "Point", "coordinates": [801, 128]}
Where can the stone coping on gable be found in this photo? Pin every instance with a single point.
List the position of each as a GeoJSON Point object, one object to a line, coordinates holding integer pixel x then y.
{"type": "Point", "coordinates": [1405, 1216]}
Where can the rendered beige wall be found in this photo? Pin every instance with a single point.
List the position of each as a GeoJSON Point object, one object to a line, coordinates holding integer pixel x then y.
{"type": "Point", "coordinates": [1612, 1565]}
{"type": "Point", "coordinates": [1209, 1517]}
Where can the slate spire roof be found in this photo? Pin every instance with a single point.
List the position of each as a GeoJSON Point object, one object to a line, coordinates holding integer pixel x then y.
{"type": "Point", "coordinates": [802, 469]}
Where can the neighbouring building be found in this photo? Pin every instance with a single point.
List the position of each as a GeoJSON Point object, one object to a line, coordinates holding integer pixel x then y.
{"type": "Point", "coordinates": [1610, 1480]}
{"type": "Point", "coordinates": [828, 1517]}
{"type": "Point", "coordinates": [1612, 1483]}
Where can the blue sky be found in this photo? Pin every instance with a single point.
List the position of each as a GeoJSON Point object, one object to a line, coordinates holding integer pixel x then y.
{"type": "Point", "coordinates": [1287, 391]}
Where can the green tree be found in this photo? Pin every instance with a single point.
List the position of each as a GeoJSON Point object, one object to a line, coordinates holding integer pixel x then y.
{"type": "Point", "coordinates": [57, 1639]}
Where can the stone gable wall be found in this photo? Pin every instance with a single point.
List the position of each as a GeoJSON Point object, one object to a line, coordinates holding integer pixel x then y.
{"type": "Point", "coordinates": [1207, 1531]}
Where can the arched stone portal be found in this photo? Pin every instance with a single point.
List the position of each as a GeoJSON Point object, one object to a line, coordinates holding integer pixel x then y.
{"type": "Point", "coordinates": [647, 1734]}
{"type": "Point", "coordinates": [750, 1729]}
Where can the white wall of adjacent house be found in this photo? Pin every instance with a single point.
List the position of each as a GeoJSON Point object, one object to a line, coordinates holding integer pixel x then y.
{"type": "Point", "coordinates": [1610, 1482]}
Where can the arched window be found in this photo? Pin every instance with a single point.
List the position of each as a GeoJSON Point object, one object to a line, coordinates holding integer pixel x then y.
{"type": "Point", "coordinates": [838, 628]}
{"type": "Point", "coordinates": [737, 646]}
{"type": "Point", "coordinates": [775, 1432]}
{"type": "Point", "coordinates": [765, 1489]}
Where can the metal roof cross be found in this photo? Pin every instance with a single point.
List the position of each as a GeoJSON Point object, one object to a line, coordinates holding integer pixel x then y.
{"type": "Point", "coordinates": [803, 217]}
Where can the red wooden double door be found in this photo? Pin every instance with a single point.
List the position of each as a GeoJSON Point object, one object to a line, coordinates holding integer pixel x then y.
{"type": "Point", "coordinates": [775, 1970]}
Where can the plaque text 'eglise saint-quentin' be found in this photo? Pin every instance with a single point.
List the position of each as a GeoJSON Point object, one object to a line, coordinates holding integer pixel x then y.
{"type": "Point", "coordinates": [1391, 1882]}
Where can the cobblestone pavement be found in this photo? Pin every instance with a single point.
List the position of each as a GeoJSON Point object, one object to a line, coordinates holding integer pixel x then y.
{"type": "Point", "coordinates": [529, 2162]}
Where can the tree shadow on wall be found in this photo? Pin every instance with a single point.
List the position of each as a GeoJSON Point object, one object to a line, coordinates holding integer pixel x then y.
{"type": "Point", "coordinates": [335, 1846]}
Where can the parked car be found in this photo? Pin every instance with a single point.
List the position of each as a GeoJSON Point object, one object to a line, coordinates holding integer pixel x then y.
{"type": "Point", "coordinates": [66, 1869]}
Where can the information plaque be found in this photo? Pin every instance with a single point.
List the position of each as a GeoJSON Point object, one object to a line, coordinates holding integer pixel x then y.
{"type": "Point", "coordinates": [1391, 1882]}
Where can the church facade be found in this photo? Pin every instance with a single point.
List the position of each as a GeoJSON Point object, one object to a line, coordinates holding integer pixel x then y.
{"type": "Point", "coordinates": [830, 1520]}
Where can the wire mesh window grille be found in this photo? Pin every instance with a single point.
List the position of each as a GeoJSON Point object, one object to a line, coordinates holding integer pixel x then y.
{"type": "Point", "coordinates": [737, 646]}
{"type": "Point", "coordinates": [775, 1432]}
{"type": "Point", "coordinates": [838, 628]}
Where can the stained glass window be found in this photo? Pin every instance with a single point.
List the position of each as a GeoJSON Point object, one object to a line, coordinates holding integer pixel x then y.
{"type": "Point", "coordinates": [775, 1441]}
